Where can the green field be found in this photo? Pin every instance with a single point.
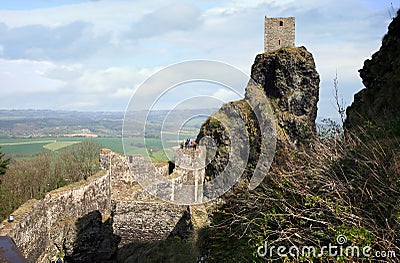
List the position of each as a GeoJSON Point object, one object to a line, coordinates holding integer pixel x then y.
{"type": "Point", "coordinates": [28, 147]}
{"type": "Point", "coordinates": [25, 142]}
{"type": "Point", "coordinates": [55, 146]}
{"type": "Point", "coordinates": [23, 150]}
{"type": "Point", "coordinates": [24, 146]}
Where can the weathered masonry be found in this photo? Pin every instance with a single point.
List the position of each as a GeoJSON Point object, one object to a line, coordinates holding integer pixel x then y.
{"type": "Point", "coordinates": [44, 228]}
{"type": "Point", "coordinates": [279, 32]}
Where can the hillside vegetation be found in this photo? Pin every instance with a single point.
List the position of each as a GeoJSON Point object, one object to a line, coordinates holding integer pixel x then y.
{"type": "Point", "coordinates": [27, 179]}
{"type": "Point", "coordinates": [310, 197]}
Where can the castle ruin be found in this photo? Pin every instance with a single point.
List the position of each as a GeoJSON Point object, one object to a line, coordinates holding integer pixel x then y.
{"type": "Point", "coordinates": [43, 228]}
{"type": "Point", "coordinates": [279, 32]}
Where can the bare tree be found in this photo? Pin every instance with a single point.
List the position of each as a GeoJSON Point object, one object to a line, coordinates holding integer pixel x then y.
{"type": "Point", "coordinates": [340, 105]}
{"type": "Point", "coordinates": [27, 179]}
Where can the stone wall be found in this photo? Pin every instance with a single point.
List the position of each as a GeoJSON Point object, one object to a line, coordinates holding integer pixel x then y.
{"type": "Point", "coordinates": [163, 168]}
{"type": "Point", "coordinates": [279, 32]}
{"type": "Point", "coordinates": [36, 223]}
{"type": "Point", "coordinates": [147, 220]}
{"type": "Point", "coordinates": [190, 174]}
{"type": "Point", "coordinates": [120, 175]}
{"type": "Point", "coordinates": [44, 227]}
{"type": "Point", "coordinates": [137, 215]}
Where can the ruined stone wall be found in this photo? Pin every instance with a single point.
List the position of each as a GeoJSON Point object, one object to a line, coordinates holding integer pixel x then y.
{"type": "Point", "coordinates": [137, 215]}
{"type": "Point", "coordinates": [43, 227]}
{"type": "Point", "coordinates": [162, 168]}
{"type": "Point", "coordinates": [190, 171]}
{"type": "Point", "coordinates": [36, 223]}
{"type": "Point", "coordinates": [146, 220]}
{"type": "Point", "coordinates": [120, 175]}
{"type": "Point", "coordinates": [279, 32]}
{"type": "Point", "coordinates": [29, 229]}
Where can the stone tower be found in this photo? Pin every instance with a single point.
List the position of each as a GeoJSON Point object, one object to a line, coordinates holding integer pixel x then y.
{"type": "Point", "coordinates": [279, 32]}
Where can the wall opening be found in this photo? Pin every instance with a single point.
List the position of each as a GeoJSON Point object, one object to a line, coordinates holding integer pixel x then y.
{"type": "Point", "coordinates": [280, 23]}
{"type": "Point", "coordinates": [171, 167]}
{"type": "Point", "coordinates": [279, 42]}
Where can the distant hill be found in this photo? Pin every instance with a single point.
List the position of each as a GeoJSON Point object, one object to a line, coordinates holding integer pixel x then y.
{"type": "Point", "coordinates": [40, 123]}
{"type": "Point", "coordinates": [49, 123]}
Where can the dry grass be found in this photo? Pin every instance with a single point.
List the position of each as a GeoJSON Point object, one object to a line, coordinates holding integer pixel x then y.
{"type": "Point", "coordinates": [337, 186]}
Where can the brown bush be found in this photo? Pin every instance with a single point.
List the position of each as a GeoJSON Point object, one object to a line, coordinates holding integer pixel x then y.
{"type": "Point", "coordinates": [27, 179]}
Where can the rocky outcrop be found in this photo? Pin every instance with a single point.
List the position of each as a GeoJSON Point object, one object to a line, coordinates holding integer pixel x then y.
{"type": "Point", "coordinates": [291, 82]}
{"type": "Point", "coordinates": [379, 101]}
{"type": "Point", "coordinates": [213, 128]}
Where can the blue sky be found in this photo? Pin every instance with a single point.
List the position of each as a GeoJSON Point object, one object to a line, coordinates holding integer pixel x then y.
{"type": "Point", "coordinates": [91, 55]}
{"type": "Point", "coordinates": [29, 4]}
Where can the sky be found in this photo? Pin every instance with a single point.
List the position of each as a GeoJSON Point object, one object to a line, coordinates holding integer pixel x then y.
{"type": "Point", "coordinates": [93, 55]}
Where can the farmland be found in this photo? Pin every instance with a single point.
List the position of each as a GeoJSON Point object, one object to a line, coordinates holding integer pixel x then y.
{"type": "Point", "coordinates": [28, 147]}
{"type": "Point", "coordinates": [25, 133]}
{"type": "Point", "coordinates": [23, 148]}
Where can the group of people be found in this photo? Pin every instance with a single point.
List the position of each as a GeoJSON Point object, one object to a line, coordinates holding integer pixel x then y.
{"type": "Point", "coordinates": [189, 143]}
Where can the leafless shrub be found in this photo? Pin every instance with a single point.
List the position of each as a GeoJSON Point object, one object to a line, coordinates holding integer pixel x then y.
{"type": "Point", "coordinates": [311, 196]}
{"type": "Point", "coordinates": [27, 179]}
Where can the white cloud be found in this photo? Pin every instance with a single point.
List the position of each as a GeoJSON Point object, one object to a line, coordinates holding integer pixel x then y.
{"type": "Point", "coordinates": [103, 14]}
{"type": "Point", "coordinates": [177, 17]}
{"type": "Point", "coordinates": [109, 88]}
{"type": "Point", "coordinates": [24, 77]}
{"type": "Point", "coordinates": [107, 80]}
{"type": "Point", "coordinates": [123, 93]}
{"type": "Point", "coordinates": [226, 95]}
{"type": "Point", "coordinates": [37, 42]}
{"type": "Point", "coordinates": [94, 54]}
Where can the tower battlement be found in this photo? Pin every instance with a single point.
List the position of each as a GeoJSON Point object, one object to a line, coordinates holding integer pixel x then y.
{"type": "Point", "coordinates": [279, 32]}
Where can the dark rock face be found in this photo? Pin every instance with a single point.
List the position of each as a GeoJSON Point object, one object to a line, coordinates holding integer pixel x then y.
{"type": "Point", "coordinates": [289, 79]}
{"type": "Point", "coordinates": [291, 82]}
{"type": "Point", "coordinates": [380, 100]}
{"type": "Point", "coordinates": [91, 240]}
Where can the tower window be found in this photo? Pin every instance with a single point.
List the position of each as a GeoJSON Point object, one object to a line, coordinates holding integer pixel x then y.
{"type": "Point", "coordinates": [280, 23]}
{"type": "Point", "coordinates": [279, 42]}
